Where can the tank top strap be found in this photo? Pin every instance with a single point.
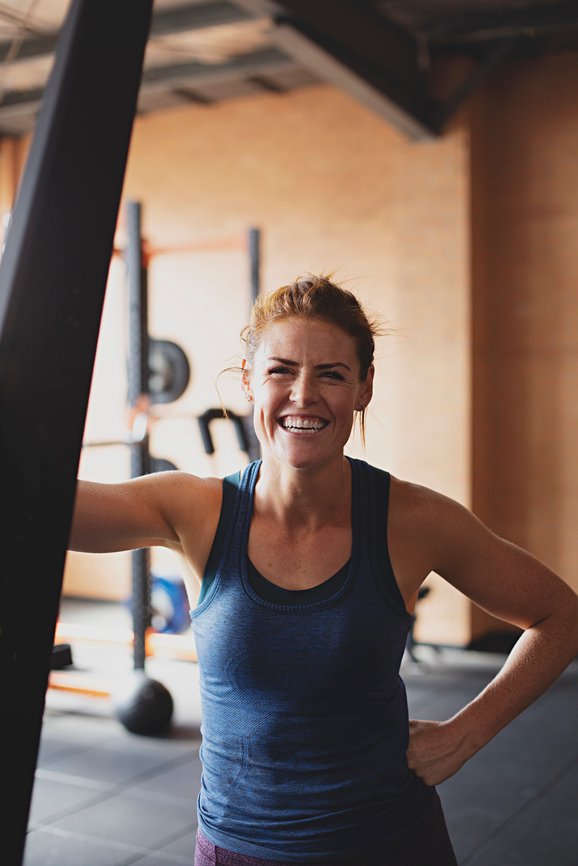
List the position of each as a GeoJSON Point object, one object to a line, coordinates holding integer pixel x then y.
{"type": "Point", "coordinates": [373, 509]}
{"type": "Point", "coordinates": [236, 503]}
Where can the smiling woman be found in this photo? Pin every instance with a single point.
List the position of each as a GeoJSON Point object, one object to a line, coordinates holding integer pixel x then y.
{"type": "Point", "coordinates": [305, 384]}
{"type": "Point", "coordinates": [309, 564]}
{"type": "Point", "coordinates": [316, 297]}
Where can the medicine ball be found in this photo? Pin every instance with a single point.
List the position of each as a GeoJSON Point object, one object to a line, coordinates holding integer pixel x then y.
{"type": "Point", "coordinates": [145, 706]}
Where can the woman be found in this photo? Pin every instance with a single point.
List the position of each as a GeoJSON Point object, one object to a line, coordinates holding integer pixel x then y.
{"type": "Point", "coordinates": [310, 564]}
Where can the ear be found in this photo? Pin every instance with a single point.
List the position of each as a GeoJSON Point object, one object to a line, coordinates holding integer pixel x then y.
{"type": "Point", "coordinates": [366, 391]}
{"type": "Point", "coordinates": [246, 379]}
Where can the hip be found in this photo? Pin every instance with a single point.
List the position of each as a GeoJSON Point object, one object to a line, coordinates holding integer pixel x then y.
{"type": "Point", "coordinates": [431, 847]}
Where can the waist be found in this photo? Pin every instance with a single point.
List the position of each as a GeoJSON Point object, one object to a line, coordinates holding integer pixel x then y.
{"type": "Point", "coordinates": [345, 845]}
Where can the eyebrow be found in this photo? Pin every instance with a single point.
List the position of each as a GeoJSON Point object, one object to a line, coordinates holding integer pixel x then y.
{"type": "Point", "coordinates": [289, 363]}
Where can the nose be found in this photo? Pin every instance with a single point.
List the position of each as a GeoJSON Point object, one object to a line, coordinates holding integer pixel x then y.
{"type": "Point", "coordinates": [303, 390]}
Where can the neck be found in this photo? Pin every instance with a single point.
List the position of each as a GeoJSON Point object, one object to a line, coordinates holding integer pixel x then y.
{"type": "Point", "coordinates": [304, 498]}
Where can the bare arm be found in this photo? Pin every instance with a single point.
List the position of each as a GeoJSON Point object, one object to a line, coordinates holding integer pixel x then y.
{"type": "Point", "coordinates": [153, 510]}
{"type": "Point", "coordinates": [513, 585]}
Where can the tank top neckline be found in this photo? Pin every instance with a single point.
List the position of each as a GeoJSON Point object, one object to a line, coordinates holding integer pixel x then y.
{"type": "Point", "coordinates": [344, 581]}
{"type": "Point", "coordinates": [271, 591]}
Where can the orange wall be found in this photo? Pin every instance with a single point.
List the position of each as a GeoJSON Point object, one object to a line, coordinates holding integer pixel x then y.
{"type": "Point", "coordinates": [333, 189]}
{"type": "Point", "coordinates": [525, 303]}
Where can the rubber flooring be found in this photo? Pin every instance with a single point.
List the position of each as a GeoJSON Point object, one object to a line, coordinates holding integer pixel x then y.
{"type": "Point", "coordinates": [106, 797]}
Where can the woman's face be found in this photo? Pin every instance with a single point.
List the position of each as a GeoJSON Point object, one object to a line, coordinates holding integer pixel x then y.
{"type": "Point", "coordinates": [304, 383]}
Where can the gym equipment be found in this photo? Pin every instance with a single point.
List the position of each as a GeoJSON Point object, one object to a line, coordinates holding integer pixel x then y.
{"type": "Point", "coordinates": [149, 692]}
{"type": "Point", "coordinates": [52, 281]}
{"type": "Point", "coordinates": [206, 419]}
{"type": "Point", "coordinates": [149, 718]}
{"type": "Point", "coordinates": [169, 605]}
{"type": "Point", "coordinates": [244, 429]}
{"type": "Point", "coordinates": [161, 464]}
{"type": "Point", "coordinates": [159, 644]}
{"type": "Point", "coordinates": [158, 372]}
{"type": "Point", "coordinates": [146, 708]}
{"type": "Point", "coordinates": [255, 262]}
{"type": "Point", "coordinates": [169, 371]}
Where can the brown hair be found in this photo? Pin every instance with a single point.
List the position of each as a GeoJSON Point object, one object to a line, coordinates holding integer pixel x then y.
{"type": "Point", "coordinates": [319, 298]}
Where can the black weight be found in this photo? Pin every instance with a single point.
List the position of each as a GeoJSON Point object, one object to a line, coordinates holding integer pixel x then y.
{"type": "Point", "coordinates": [169, 371]}
{"type": "Point", "coordinates": [160, 464]}
{"type": "Point", "coordinates": [146, 707]}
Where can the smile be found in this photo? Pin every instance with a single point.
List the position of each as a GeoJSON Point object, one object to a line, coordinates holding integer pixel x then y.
{"type": "Point", "coordinates": [295, 424]}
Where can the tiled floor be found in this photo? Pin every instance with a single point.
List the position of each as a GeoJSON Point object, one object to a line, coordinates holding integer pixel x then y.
{"type": "Point", "coordinates": [105, 797]}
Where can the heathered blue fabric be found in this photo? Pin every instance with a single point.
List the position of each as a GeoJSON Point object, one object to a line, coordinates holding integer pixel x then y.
{"type": "Point", "coordinates": [304, 714]}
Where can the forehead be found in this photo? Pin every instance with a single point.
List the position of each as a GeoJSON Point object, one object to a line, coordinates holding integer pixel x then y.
{"type": "Point", "coordinates": [298, 338]}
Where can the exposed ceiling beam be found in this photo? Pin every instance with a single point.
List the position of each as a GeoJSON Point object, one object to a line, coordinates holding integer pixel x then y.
{"type": "Point", "coordinates": [194, 16]}
{"type": "Point", "coordinates": [357, 50]}
{"type": "Point", "coordinates": [181, 75]}
{"type": "Point", "coordinates": [474, 26]}
{"type": "Point", "coordinates": [198, 74]}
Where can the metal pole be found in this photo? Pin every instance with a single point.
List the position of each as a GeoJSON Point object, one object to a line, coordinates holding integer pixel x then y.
{"type": "Point", "coordinates": [138, 390]}
{"type": "Point", "coordinates": [254, 244]}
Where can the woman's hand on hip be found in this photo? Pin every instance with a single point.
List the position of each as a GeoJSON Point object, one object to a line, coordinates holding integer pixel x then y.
{"type": "Point", "coordinates": [436, 750]}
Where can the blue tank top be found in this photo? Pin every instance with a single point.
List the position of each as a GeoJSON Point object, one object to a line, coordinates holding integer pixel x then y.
{"type": "Point", "coordinates": [304, 714]}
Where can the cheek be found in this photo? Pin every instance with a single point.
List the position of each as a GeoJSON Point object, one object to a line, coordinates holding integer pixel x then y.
{"type": "Point", "coordinates": [264, 408]}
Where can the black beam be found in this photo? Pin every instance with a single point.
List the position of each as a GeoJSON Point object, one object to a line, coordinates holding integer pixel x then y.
{"type": "Point", "coordinates": [499, 23]}
{"type": "Point", "coordinates": [52, 282]}
{"type": "Point", "coordinates": [359, 51]}
{"type": "Point", "coordinates": [494, 59]}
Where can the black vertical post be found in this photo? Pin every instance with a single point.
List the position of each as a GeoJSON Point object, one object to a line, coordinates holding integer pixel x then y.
{"type": "Point", "coordinates": [254, 244]}
{"type": "Point", "coordinates": [52, 282]}
{"type": "Point", "coordinates": [138, 390]}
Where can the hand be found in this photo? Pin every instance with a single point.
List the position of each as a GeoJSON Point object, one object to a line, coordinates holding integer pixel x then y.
{"type": "Point", "coordinates": [435, 750]}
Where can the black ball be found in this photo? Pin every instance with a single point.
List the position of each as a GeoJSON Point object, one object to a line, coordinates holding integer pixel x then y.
{"type": "Point", "coordinates": [146, 707]}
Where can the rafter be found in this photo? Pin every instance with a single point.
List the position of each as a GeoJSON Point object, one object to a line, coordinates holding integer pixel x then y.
{"type": "Point", "coordinates": [258, 64]}
{"type": "Point", "coordinates": [356, 49]}
{"type": "Point", "coordinates": [195, 16]}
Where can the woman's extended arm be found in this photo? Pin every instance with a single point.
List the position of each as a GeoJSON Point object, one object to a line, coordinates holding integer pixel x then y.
{"type": "Point", "coordinates": [152, 510]}
{"type": "Point", "coordinates": [514, 586]}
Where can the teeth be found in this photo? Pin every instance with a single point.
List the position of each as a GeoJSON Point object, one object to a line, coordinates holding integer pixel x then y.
{"type": "Point", "coordinates": [302, 424]}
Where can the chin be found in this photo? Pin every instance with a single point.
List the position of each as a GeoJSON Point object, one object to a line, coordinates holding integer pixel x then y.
{"type": "Point", "coordinates": [300, 460]}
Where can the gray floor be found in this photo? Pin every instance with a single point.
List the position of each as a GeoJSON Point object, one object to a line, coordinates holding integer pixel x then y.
{"type": "Point", "coordinates": [105, 797]}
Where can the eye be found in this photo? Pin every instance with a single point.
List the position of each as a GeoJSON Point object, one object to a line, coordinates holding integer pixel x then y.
{"type": "Point", "coordinates": [333, 374]}
{"type": "Point", "coordinates": [279, 371]}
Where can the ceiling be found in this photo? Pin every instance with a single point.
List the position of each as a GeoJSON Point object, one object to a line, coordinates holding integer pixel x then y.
{"type": "Point", "coordinates": [383, 52]}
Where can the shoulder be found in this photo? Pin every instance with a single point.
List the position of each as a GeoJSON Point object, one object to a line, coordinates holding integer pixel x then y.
{"type": "Point", "coordinates": [445, 529]}
{"type": "Point", "coordinates": [191, 506]}
{"type": "Point", "coordinates": [181, 493]}
{"type": "Point", "coordinates": [423, 504]}
{"type": "Point", "coordinates": [502, 578]}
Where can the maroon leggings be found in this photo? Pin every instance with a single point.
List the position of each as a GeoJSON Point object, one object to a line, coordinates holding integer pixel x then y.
{"type": "Point", "coordinates": [433, 850]}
